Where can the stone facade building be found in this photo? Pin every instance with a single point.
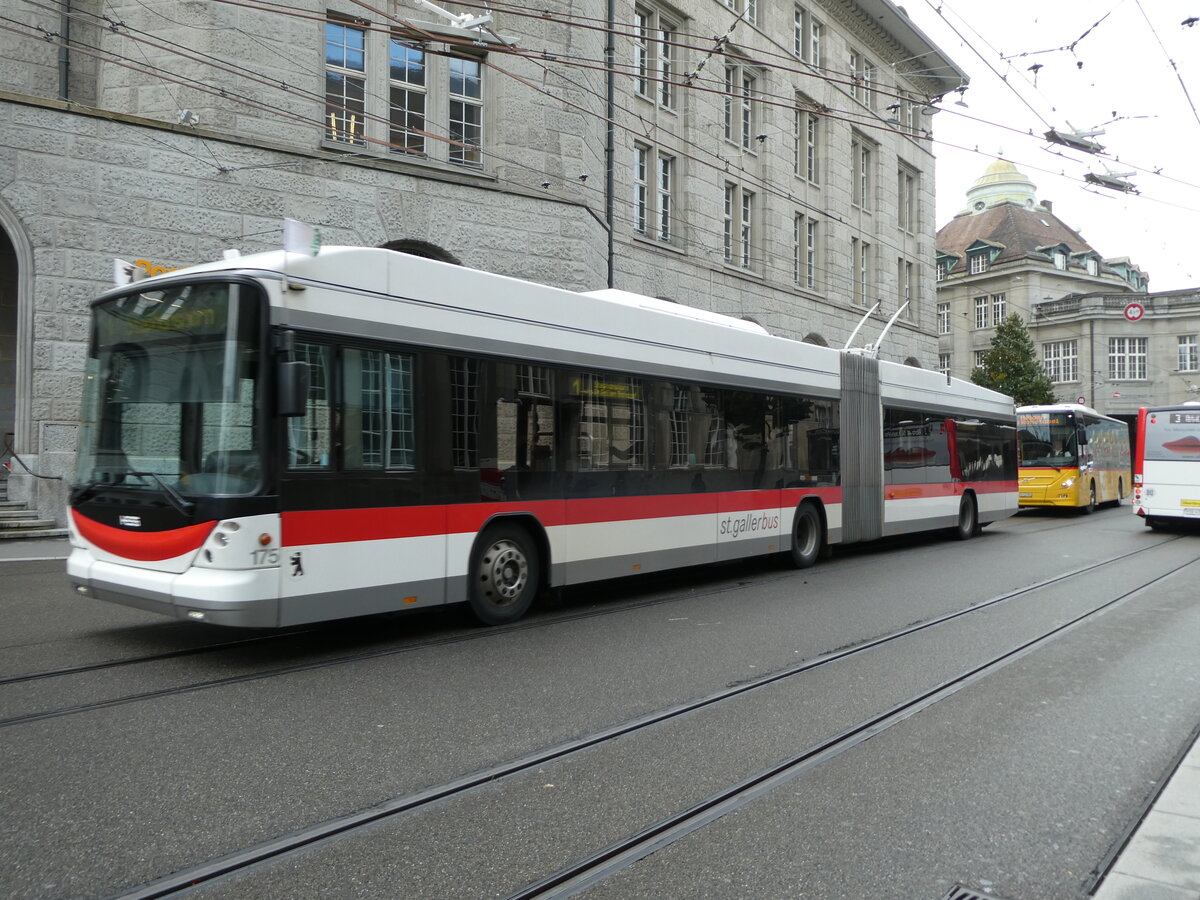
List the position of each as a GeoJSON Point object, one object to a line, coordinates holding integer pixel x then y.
{"type": "Point", "coordinates": [768, 161]}
{"type": "Point", "coordinates": [1103, 339]}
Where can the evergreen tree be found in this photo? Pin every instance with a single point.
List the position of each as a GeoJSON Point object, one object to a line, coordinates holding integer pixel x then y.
{"type": "Point", "coordinates": [1011, 366]}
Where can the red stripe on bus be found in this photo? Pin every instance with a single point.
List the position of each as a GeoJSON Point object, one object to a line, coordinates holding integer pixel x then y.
{"type": "Point", "coordinates": [334, 526]}
{"type": "Point", "coordinates": [331, 526]}
{"type": "Point", "coordinates": [146, 546]}
{"type": "Point", "coordinates": [946, 489]}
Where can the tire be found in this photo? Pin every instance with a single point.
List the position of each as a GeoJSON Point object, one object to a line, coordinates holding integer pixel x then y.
{"type": "Point", "coordinates": [807, 536]}
{"type": "Point", "coordinates": [968, 519]}
{"type": "Point", "coordinates": [503, 575]}
{"type": "Point", "coordinates": [1091, 504]}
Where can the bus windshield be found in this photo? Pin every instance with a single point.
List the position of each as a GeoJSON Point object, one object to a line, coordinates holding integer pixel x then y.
{"type": "Point", "coordinates": [1047, 439]}
{"type": "Point", "coordinates": [171, 392]}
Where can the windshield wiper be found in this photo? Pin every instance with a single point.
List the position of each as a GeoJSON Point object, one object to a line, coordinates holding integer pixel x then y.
{"type": "Point", "coordinates": [83, 492]}
{"type": "Point", "coordinates": [183, 506]}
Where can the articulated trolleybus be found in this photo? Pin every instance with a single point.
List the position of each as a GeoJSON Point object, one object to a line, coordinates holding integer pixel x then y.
{"type": "Point", "coordinates": [1072, 456]}
{"type": "Point", "coordinates": [277, 439]}
{"type": "Point", "coordinates": [1166, 465]}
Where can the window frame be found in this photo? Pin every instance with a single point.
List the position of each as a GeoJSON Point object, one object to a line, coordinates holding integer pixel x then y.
{"type": "Point", "coordinates": [739, 226]}
{"type": "Point", "coordinates": [1127, 358]}
{"type": "Point", "coordinates": [656, 60]}
{"type": "Point", "coordinates": [397, 131]}
{"type": "Point", "coordinates": [1060, 361]}
{"type": "Point", "coordinates": [862, 172]}
{"type": "Point", "coordinates": [807, 141]}
{"type": "Point", "coordinates": [1188, 348]}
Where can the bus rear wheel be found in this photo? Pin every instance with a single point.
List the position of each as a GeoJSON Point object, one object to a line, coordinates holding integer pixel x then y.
{"type": "Point", "coordinates": [968, 519]}
{"type": "Point", "coordinates": [503, 575]}
{"type": "Point", "coordinates": [807, 536]}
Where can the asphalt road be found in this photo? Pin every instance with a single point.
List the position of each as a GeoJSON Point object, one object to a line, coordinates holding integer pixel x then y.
{"type": "Point", "coordinates": [1020, 719]}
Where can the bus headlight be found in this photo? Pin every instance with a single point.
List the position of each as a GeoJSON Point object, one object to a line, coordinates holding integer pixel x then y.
{"type": "Point", "coordinates": [1070, 482]}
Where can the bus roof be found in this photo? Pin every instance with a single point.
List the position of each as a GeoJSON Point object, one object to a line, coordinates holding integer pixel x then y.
{"type": "Point", "coordinates": [1063, 407]}
{"type": "Point", "coordinates": [544, 323]}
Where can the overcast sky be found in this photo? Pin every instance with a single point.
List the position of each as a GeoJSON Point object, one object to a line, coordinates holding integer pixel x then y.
{"type": "Point", "coordinates": [1090, 74]}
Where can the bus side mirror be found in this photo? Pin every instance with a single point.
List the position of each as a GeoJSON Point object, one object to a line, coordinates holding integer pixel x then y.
{"type": "Point", "coordinates": [292, 397]}
{"type": "Point", "coordinates": [1082, 437]}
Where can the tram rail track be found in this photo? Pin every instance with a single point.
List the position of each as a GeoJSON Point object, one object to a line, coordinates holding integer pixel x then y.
{"type": "Point", "coordinates": [322, 629]}
{"type": "Point", "coordinates": [620, 854]}
{"type": "Point", "coordinates": [361, 656]}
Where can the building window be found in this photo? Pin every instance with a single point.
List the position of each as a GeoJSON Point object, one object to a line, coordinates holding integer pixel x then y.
{"type": "Point", "coordinates": [654, 56]}
{"type": "Point", "coordinates": [653, 207]}
{"type": "Point", "coordinates": [862, 77]}
{"type": "Point", "coordinates": [860, 256]}
{"type": "Point", "coordinates": [979, 262]}
{"type": "Point", "coordinates": [980, 358]}
{"type": "Point", "coordinates": [1060, 259]}
{"type": "Point", "coordinates": [665, 190]}
{"type": "Point", "coordinates": [807, 141]}
{"type": "Point", "coordinates": [861, 161]}
{"type": "Point", "coordinates": [944, 364]}
{"type": "Point", "coordinates": [641, 189]}
{"type": "Point", "coordinates": [466, 111]}
{"type": "Point", "coordinates": [345, 83]}
{"type": "Point", "coordinates": [739, 226]}
{"type": "Point", "coordinates": [999, 308]}
{"type": "Point", "coordinates": [406, 68]}
{"type": "Point", "coordinates": [804, 249]}
{"type": "Point", "coordinates": [388, 90]}
{"type": "Point", "coordinates": [740, 105]}
{"type": "Point", "coordinates": [943, 318]}
{"type": "Point", "coordinates": [1060, 359]}
{"type": "Point", "coordinates": [981, 312]}
{"type": "Point", "coordinates": [906, 287]}
{"type": "Point", "coordinates": [1189, 360]}
{"type": "Point", "coordinates": [747, 9]}
{"type": "Point", "coordinates": [1093, 266]}
{"type": "Point", "coordinates": [1126, 359]}
{"type": "Point", "coordinates": [810, 254]}
{"type": "Point", "coordinates": [906, 199]}
{"type": "Point", "coordinates": [808, 34]}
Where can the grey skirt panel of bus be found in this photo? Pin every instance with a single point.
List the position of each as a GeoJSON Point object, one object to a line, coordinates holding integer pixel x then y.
{"type": "Point", "coordinates": [862, 471]}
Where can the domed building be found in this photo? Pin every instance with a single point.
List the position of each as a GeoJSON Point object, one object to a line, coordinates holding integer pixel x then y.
{"type": "Point", "coordinates": [1103, 339]}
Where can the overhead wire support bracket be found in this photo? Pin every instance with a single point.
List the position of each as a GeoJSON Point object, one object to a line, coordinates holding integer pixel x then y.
{"type": "Point", "coordinates": [1076, 140]}
{"type": "Point", "coordinates": [1113, 180]}
{"type": "Point", "coordinates": [464, 21]}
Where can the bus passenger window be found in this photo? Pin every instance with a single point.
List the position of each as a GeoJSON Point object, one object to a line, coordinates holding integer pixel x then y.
{"type": "Point", "coordinates": [377, 424]}
{"type": "Point", "coordinates": [525, 419]}
{"type": "Point", "coordinates": [309, 435]}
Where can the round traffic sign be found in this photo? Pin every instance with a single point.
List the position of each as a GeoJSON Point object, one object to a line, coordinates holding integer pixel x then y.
{"type": "Point", "coordinates": [1134, 311]}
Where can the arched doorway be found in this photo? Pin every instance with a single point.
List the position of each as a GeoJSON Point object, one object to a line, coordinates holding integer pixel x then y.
{"type": "Point", "coordinates": [423, 248]}
{"type": "Point", "coordinates": [9, 319]}
{"type": "Point", "coordinates": [16, 341]}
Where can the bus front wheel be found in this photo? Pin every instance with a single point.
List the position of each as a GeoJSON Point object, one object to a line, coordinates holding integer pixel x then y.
{"type": "Point", "coordinates": [1091, 504]}
{"type": "Point", "coordinates": [503, 574]}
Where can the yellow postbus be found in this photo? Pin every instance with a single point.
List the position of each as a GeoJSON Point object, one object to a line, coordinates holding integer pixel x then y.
{"type": "Point", "coordinates": [1071, 456]}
